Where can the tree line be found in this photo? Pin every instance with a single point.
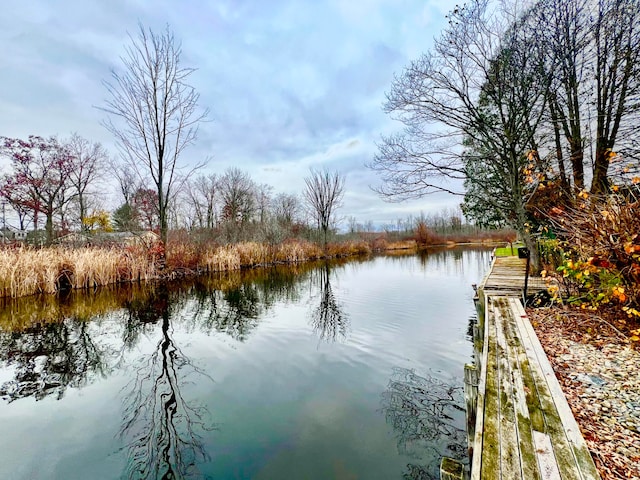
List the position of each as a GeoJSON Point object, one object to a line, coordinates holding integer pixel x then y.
{"type": "Point", "coordinates": [59, 183]}
{"type": "Point", "coordinates": [154, 115]}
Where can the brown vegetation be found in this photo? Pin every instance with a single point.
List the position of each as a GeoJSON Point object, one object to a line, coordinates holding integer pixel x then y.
{"type": "Point", "coordinates": [27, 271]}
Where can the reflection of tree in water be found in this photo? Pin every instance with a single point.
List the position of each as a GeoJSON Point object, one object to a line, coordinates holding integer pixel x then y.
{"type": "Point", "coordinates": [50, 358]}
{"type": "Point", "coordinates": [425, 413]}
{"type": "Point", "coordinates": [328, 320]}
{"type": "Point", "coordinates": [163, 431]}
{"type": "Point", "coordinates": [234, 311]}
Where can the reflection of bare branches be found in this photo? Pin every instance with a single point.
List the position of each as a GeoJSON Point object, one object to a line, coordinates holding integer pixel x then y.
{"type": "Point", "coordinates": [163, 428]}
{"type": "Point", "coordinates": [234, 312]}
{"type": "Point", "coordinates": [328, 319]}
{"type": "Point", "coordinates": [49, 359]}
{"type": "Point", "coordinates": [423, 411]}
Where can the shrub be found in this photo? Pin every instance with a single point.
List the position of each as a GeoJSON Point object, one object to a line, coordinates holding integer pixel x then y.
{"type": "Point", "coordinates": [599, 241]}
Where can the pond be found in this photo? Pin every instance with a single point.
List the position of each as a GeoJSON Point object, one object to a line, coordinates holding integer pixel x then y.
{"type": "Point", "coordinates": [347, 370]}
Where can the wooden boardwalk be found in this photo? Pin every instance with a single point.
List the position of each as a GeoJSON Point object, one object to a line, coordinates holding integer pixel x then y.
{"type": "Point", "coordinates": [521, 426]}
{"type": "Point", "coordinates": [507, 277]}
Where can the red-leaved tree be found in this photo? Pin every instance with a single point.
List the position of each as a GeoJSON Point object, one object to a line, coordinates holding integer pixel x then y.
{"type": "Point", "coordinates": [39, 180]}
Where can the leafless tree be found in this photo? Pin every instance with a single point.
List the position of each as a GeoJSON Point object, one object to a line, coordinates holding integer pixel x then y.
{"type": "Point", "coordinates": [479, 89]}
{"type": "Point", "coordinates": [617, 56]}
{"type": "Point", "coordinates": [566, 37]}
{"type": "Point", "coordinates": [263, 201]}
{"type": "Point", "coordinates": [238, 193]}
{"type": "Point", "coordinates": [323, 194]}
{"type": "Point", "coordinates": [89, 162]}
{"type": "Point", "coordinates": [201, 193]}
{"type": "Point", "coordinates": [127, 179]}
{"type": "Point", "coordinates": [286, 208]}
{"type": "Point", "coordinates": [156, 111]}
{"type": "Point", "coordinates": [593, 49]}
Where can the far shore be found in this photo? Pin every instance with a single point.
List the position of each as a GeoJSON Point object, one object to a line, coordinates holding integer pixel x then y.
{"type": "Point", "coordinates": [27, 271]}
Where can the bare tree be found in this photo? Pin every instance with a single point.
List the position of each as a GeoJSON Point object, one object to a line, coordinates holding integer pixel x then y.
{"type": "Point", "coordinates": [127, 181]}
{"type": "Point", "coordinates": [89, 162]}
{"type": "Point", "coordinates": [157, 112]}
{"type": "Point", "coordinates": [263, 201]}
{"type": "Point", "coordinates": [323, 194]}
{"type": "Point", "coordinates": [566, 37]}
{"type": "Point", "coordinates": [201, 194]}
{"type": "Point", "coordinates": [617, 55]}
{"type": "Point", "coordinates": [592, 50]}
{"type": "Point", "coordinates": [286, 208]}
{"type": "Point", "coordinates": [480, 89]}
{"type": "Point", "coordinates": [238, 192]}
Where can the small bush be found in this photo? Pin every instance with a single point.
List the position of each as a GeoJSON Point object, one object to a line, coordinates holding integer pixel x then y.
{"type": "Point", "coordinates": [599, 241]}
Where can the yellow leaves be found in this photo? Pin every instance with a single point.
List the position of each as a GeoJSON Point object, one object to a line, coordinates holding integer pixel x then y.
{"type": "Point", "coordinates": [99, 220]}
{"type": "Point", "coordinates": [583, 194]}
{"type": "Point", "coordinates": [584, 306]}
{"type": "Point", "coordinates": [632, 312]}
{"type": "Point", "coordinates": [610, 155]}
{"type": "Point", "coordinates": [543, 273]}
{"type": "Point", "coordinates": [618, 292]}
{"type": "Point", "coordinates": [630, 248]}
{"type": "Point", "coordinates": [635, 180]}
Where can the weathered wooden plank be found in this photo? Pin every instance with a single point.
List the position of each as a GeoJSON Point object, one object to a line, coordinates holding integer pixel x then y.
{"type": "Point", "coordinates": [510, 464]}
{"type": "Point", "coordinates": [568, 444]}
{"type": "Point", "coordinates": [471, 382]}
{"type": "Point", "coordinates": [477, 454]}
{"type": "Point", "coordinates": [451, 469]}
{"type": "Point", "coordinates": [519, 369]}
{"type": "Point", "coordinates": [545, 457]}
{"type": "Point", "coordinates": [529, 430]}
{"type": "Point", "coordinates": [490, 463]}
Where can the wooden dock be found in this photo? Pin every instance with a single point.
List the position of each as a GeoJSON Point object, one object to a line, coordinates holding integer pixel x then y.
{"type": "Point", "coordinates": [520, 425]}
{"type": "Point", "coordinates": [507, 277]}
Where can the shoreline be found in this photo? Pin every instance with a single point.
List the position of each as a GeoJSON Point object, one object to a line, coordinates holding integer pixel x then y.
{"type": "Point", "coordinates": [26, 271]}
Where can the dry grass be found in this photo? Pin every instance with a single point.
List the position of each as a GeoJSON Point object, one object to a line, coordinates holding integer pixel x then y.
{"type": "Point", "coordinates": [27, 271]}
{"type": "Point", "coordinates": [221, 259]}
{"type": "Point", "coordinates": [347, 249]}
{"type": "Point", "coordinates": [402, 245]}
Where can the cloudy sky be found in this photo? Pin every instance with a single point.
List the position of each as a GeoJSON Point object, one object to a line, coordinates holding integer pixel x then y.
{"type": "Point", "coordinates": [290, 85]}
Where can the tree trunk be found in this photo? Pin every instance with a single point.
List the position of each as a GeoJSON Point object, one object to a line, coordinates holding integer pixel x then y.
{"type": "Point", "coordinates": [49, 227]}
{"type": "Point", "coordinates": [600, 183]}
{"type": "Point", "coordinates": [577, 158]}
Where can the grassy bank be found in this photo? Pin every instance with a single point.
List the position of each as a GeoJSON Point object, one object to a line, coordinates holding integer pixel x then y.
{"type": "Point", "coordinates": [28, 271]}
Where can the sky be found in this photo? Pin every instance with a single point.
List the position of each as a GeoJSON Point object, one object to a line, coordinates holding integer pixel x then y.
{"type": "Point", "coordinates": [290, 85]}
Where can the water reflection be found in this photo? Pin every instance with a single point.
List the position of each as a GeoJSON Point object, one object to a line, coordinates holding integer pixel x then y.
{"type": "Point", "coordinates": [161, 430]}
{"type": "Point", "coordinates": [169, 342]}
{"type": "Point", "coordinates": [49, 359]}
{"type": "Point", "coordinates": [422, 412]}
{"type": "Point", "coordinates": [328, 319]}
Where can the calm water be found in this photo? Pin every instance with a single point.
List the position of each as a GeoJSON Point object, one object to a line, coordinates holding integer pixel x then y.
{"type": "Point", "coordinates": [332, 371]}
